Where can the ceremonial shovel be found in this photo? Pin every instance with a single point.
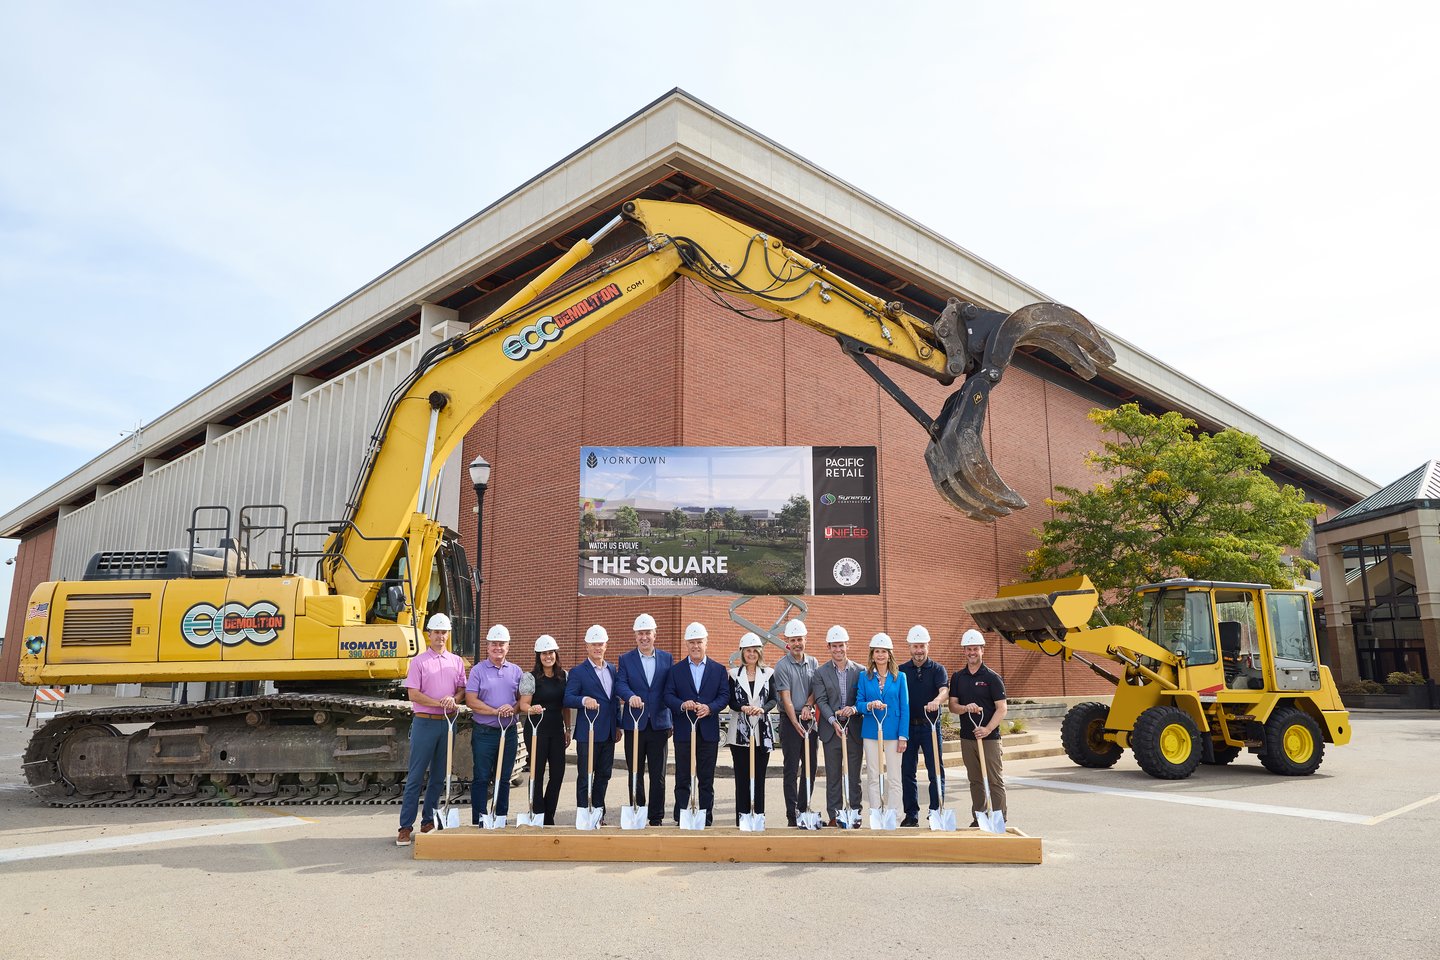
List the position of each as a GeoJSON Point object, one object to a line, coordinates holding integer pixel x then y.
{"type": "Point", "coordinates": [635, 816]}
{"type": "Point", "coordinates": [943, 818]}
{"type": "Point", "coordinates": [881, 817]}
{"type": "Point", "coordinates": [987, 819]}
{"type": "Point", "coordinates": [531, 819]}
{"type": "Point", "coordinates": [848, 817]}
{"type": "Point", "coordinates": [588, 818]}
{"type": "Point", "coordinates": [752, 822]}
{"type": "Point", "coordinates": [692, 817]}
{"type": "Point", "coordinates": [491, 820]}
{"type": "Point", "coordinates": [445, 816]}
{"type": "Point", "coordinates": [808, 819]}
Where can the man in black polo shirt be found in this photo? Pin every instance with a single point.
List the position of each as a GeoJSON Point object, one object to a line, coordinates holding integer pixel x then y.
{"type": "Point", "coordinates": [978, 693]}
{"type": "Point", "coordinates": [928, 687]}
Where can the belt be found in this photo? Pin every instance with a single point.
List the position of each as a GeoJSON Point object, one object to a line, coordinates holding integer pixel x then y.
{"type": "Point", "coordinates": [429, 716]}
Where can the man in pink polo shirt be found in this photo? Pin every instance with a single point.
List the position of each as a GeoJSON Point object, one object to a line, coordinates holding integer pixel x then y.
{"type": "Point", "coordinates": [436, 677]}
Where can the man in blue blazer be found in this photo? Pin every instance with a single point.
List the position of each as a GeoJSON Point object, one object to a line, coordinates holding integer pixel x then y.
{"type": "Point", "coordinates": [643, 672]}
{"type": "Point", "coordinates": [591, 689]}
{"type": "Point", "coordinates": [697, 689]}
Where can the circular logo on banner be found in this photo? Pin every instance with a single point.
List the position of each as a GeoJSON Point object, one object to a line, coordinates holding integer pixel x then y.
{"type": "Point", "coordinates": [827, 498]}
{"type": "Point", "coordinates": [847, 572]}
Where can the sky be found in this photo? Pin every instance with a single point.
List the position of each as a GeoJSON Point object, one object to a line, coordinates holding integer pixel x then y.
{"type": "Point", "coordinates": [1245, 191]}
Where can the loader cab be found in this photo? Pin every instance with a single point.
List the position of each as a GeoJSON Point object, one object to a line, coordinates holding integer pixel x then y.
{"type": "Point", "coordinates": [1179, 617]}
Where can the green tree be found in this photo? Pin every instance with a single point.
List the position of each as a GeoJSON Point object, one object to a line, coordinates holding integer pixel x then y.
{"type": "Point", "coordinates": [732, 520]}
{"type": "Point", "coordinates": [1173, 502]}
{"type": "Point", "coordinates": [711, 518]}
{"type": "Point", "coordinates": [627, 522]}
{"type": "Point", "coordinates": [795, 515]}
{"type": "Point", "coordinates": [675, 521]}
{"type": "Point", "coordinates": [588, 523]}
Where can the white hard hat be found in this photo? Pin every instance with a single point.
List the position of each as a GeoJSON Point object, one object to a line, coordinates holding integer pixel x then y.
{"type": "Point", "coordinates": [972, 638]}
{"type": "Point", "coordinates": [438, 622]}
{"type": "Point", "coordinates": [881, 641]}
{"type": "Point", "coordinates": [546, 643]}
{"type": "Point", "coordinates": [918, 634]}
{"type": "Point", "coordinates": [837, 634]}
{"type": "Point", "coordinates": [498, 634]}
{"type": "Point", "coordinates": [696, 631]}
{"type": "Point", "coordinates": [795, 628]}
{"type": "Point", "coordinates": [751, 640]}
{"type": "Point", "coordinates": [644, 622]}
{"type": "Point", "coordinates": [597, 634]}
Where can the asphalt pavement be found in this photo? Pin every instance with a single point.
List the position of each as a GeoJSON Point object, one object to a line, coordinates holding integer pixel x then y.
{"type": "Point", "coordinates": [1234, 862]}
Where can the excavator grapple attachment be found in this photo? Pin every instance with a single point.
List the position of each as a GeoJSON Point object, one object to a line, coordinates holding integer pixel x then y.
{"type": "Point", "coordinates": [980, 344]}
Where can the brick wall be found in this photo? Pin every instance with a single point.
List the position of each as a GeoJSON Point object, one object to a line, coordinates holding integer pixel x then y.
{"type": "Point", "coordinates": [684, 370]}
{"type": "Point", "coordinates": [32, 567]}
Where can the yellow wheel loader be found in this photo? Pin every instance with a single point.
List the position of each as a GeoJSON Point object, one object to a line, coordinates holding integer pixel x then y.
{"type": "Point", "coordinates": [331, 610]}
{"type": "Point", "coordinates": [1220, 668]}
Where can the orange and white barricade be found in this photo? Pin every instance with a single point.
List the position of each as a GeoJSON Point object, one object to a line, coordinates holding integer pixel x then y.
{"type": "Point", "coordinates": [52, 697]}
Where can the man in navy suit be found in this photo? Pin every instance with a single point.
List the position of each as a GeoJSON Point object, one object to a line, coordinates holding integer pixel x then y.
{"type": "Point", "coordinates": [643, 672]}
{"type": "Point", "coordinates": [698, 689]}
{"type": "Point", "coordinates": [591, 690]}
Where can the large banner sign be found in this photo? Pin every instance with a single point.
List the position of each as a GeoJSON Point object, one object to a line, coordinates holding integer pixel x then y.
{"type": "Point", "coordinates": [669, 521]}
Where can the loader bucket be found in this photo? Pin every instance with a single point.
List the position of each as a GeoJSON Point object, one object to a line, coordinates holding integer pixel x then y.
{"type": "Point", "coordinates": [959, 466]}
{"type": "Point", "coordinates": [1037, 611]}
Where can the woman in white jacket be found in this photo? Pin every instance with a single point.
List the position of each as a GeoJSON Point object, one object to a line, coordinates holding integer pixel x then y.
{"type": "Point", "coordinates": [752, 697]}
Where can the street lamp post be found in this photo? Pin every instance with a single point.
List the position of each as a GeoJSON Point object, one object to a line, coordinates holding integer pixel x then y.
{"type": "Point", "coordinates": [480, 478]}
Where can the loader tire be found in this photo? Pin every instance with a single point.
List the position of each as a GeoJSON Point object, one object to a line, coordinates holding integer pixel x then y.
{"type": "Point", "coordinates": [1082, 733]}
{"type": "Point", "coordinates": [1294, 746]}
{"type": "Point", "coordinates": [1223, 755]}
{"type": "Point", "coordinates": [1166, 743]}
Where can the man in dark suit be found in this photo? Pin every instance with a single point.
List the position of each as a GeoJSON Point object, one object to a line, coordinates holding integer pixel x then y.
{"type": "Point", "coordinates": [591, 689]}
{"type": "Point", "coordinates": [833, 686]}
{"type": "Point", "coordinates": [643, 672]}
{"type": "Point", "coordinates": [697, 688]}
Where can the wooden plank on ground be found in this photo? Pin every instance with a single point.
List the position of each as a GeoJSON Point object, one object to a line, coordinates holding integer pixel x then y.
{"type": "Point", "coordinates": [726, 845]}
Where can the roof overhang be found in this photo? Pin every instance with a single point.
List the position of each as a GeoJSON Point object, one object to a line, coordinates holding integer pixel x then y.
{"type": "Point", "coordinates": [676, 147]}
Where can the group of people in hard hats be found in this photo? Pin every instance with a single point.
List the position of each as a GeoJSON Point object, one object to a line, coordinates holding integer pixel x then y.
{"type": "Point", "coordinates": [883, 712]}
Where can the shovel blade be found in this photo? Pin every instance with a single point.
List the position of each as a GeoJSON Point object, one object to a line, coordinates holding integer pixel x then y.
{"type": "Point", "coordinates": [752, 822]}
{"type": "Point", "coordinates": [692, 819]}
{"type": "Point", "coordinates": [882, 819]}
{"type": "Point", "coordinates": [634, 818]}
{"type": "Point", "coordinates": [808, 821]}
{"type": "Point", "coordinates": [990, 822]}
{"type": "Point", "coordinates": [942, 820]}
{"type": "Point", "coordinates": [848, 819]}
{"type": "Point", "coordinates": [530, 820]}
{"type": "Point", "coordinates": [491, 822]}
{"type": "Point", "coordinates": [588, 818]}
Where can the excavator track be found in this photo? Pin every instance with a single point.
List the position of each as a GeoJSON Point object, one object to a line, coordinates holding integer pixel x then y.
{"type": "Point", "coordinates": [284, 749]}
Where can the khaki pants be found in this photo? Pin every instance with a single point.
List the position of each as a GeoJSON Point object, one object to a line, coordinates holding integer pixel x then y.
{"type": "Point", "coordinates": [994, 769]}
{"type": "Point", "coordinates": [892, 775]}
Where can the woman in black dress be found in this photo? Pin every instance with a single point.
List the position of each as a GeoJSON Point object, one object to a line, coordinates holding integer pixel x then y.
{"type": "Point", "coordinates": [542, 698]}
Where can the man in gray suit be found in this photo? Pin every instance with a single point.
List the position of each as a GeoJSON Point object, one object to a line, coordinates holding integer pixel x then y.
{"type": "Point", "coordinates": [833, 686]}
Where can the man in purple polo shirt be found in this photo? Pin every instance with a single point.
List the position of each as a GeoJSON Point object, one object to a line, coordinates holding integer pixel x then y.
{"type": "Point", "coordinates": [435, 679]}
{"type": "Point", "coordinates": [491, 692]}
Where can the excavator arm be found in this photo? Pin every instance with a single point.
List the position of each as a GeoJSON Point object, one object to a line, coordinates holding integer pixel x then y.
{"type": "Point", "coordinates": [458, 380]}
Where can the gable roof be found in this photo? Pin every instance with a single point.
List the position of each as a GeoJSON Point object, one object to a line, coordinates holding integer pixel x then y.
{"type": "Point", "coordinates": [1419, 488]}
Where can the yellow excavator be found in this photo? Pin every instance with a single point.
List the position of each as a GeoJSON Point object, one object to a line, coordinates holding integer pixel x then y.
{"type": "Point", "coordinates": [331, 611]}
{"type": "Point", "coordinates": [1220, 668]}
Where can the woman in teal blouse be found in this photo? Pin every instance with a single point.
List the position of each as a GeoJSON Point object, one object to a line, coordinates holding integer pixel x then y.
{"type": "Point", "coordinates": [886, 702]}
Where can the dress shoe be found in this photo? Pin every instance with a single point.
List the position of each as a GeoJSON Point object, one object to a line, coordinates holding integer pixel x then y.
{"type": "Point", "coordinates": [657, 823]}
{"type": "Point", "coordinates": [426, 827]}
{"type": "Point", "coordinates": [790, 821]}
{"type": "Point", "coordinates": [402, 839]}
{"type": "Point", "coordinates": [910, 822]}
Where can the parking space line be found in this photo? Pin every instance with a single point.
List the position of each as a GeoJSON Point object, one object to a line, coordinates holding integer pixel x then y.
{"type": "Point", "coordinates": [137, 839]}
{"type": "Point", "coordinates": [1405, 809]}
{"type": "Point", "coordinates": [1240, 805]}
